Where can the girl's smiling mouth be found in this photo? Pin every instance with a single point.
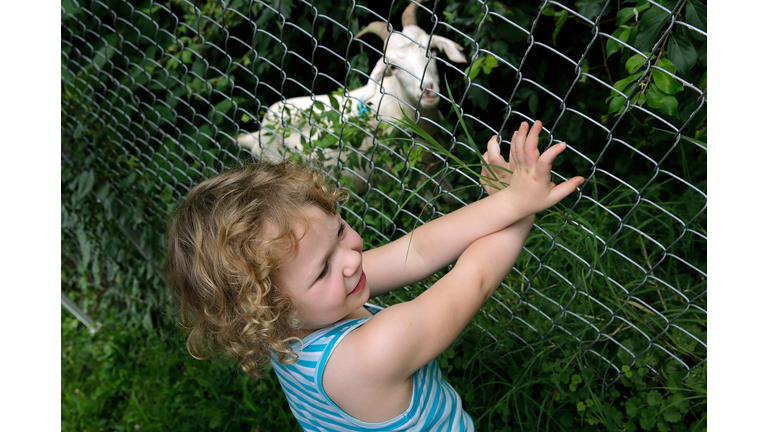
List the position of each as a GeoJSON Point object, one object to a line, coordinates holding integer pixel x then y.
{"type": "Point", "coordinates": [360, 284]}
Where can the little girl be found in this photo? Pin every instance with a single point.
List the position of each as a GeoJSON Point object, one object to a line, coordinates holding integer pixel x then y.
{"type": "Point", "coordinates": [266, 269]}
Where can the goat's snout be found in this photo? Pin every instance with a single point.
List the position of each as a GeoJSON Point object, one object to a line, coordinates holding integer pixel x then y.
{"type": "Point", "coordinates": [430, 91]}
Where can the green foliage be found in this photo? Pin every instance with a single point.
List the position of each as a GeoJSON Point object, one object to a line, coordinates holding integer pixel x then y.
{"type": "Point", "coordinates": [142, 379]}
{"type": "Point", "coordinates": [680, 51]}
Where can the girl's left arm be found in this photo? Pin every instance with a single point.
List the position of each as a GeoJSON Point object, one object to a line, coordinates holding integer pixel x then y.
{"type": "Point", "coordinates": [434, 245]}
{"type": "Point", "coordinates": [439, 242]}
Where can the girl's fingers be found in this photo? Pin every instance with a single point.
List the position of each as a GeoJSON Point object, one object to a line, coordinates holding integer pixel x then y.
{"type": "Point", "coordinates": [546, 159]}
{"type": "Point", "coordinates": [565, 188]}
{"type": "Point", "coordinates": [532, 143]}
{"type": "Point", "coordinates": [518, 144]}
{"type": "Point", "coordinates": [493, 147]}
{"type": "Point", "coordinates": [512, 152]}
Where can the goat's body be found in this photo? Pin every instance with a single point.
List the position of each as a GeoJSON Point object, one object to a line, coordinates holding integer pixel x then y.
{"type": "Point", "coordinates": [285, 123]}
{"type": "Point", "coordinates": [406, 78]}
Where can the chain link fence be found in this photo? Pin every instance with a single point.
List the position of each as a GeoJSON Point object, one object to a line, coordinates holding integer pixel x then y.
{"type": "Point", "coordinates": [158, 95]}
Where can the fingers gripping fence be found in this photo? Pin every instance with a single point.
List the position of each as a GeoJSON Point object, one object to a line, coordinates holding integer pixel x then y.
{"type": "Point", "coordinates": [156, 95]}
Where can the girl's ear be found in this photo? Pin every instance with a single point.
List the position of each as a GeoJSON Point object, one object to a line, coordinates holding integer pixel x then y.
{"type": "Point", "coordinates": [451, 49]}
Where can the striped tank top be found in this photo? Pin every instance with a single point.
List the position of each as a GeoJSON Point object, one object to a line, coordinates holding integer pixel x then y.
{"type": "Point", "coordinates": [435, 405]}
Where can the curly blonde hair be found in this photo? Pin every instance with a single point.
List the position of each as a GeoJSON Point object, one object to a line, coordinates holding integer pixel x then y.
{"type": "Point", "coordinates": [223, 254]}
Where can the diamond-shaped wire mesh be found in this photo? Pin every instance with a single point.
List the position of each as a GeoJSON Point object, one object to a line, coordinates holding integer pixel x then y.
{"type": "Point", "coordinates": [157, 96]}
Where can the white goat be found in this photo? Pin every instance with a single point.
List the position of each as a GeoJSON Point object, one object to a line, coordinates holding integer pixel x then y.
{"type": "Point", "coordinates": [406, 77]}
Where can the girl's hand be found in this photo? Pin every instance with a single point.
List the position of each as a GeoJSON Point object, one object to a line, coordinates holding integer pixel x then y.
{"type": "Point", "coordinates": [530, 187]}
{"type": "Point", "coordinates": [497, 178]}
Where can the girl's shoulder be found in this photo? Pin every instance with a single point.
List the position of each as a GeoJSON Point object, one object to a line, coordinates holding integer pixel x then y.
{"type": "Point", "coordinates": [352, 377]}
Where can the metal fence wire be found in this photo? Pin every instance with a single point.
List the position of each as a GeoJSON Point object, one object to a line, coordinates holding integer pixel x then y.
{"type": "Point", "coordinates": [157, 95]}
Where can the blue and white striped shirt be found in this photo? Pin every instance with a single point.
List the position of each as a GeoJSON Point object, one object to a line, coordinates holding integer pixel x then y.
{"type": "Point", "coordinates": [435, 405]}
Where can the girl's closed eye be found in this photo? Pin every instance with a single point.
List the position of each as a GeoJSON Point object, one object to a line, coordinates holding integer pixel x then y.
{"type": "Point", "coordinates": [325, 270]}
{"type": "Point", "coordinates": [339, 234]}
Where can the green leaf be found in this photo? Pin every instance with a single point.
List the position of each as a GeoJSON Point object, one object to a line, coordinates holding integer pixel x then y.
{"type": "Point", "coordinates": [647, 423]}
{"type": "Point", "coordinates": [623, 15]}
{"type": "Point", "coordinates": [666, 83]}
{"type": "Point", "coordinates": [632, 405]}
{"type": "Point", "coordinates": [84, 185]}
{"type": "Point", "coordinates": [611, 46]}
{"type": "Point", "coordinates": [696, 15]}
{"type": "Point", "coordinates": [616, 104]}
{"type": "Point", "coordinates": [627, 371]}
{"type": "Point", "coordinates": [146, 321]}
{"type": "Point", "coordinates": [653, 397]}
{"type": "Point", "coordinates": [667, 65]}
{"type": "Point", "coordinates": [663, 102]}
{"type": "Point", "coordinates": [128, 181]}
{"type": "Point", "coordinates": [167, 194]}
{"type": "Point", "coordinates": [478, 96]}
{"type": "Point", "coordinates": [104, 191]}
{"type": "Point", "coordinates": [475, 68]}
{"type": "Point", "coordinates": [672, 415]}
{"type": "Point", "coordinates": [562, 17]}
{"type": "Point", "coordinates": [662, 426]}
{"type": "Point", "coordinates": [681, 53]}
{"type": "Point", "coordinates": [575, 381]}
{"type": "Point", "coordinates": [223, 106]}
{"type": "Point", "coordinates": [590, 8]}
{"type": "Point", "coordinates": [640, 101]}
{"type": "Point", "coordinates": [334, 102]}
{"type": "Point", "coordinates": [676, 401]}
{"type": "Point", "coordinates": [651, 25]}
{"type": "Point", "coordinates": [490, 63]}
{"type": "Point", "coordinates": [620, 85]}
{"type": "Point", "coordinates": [635, 62]}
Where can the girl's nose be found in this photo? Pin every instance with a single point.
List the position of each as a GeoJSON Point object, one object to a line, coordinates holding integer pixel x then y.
{"type": "Point", "coordinates": [353, 259]}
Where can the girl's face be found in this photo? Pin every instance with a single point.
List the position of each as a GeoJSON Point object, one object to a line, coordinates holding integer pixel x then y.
{"type": "Point", "coordinates": [325, 278]}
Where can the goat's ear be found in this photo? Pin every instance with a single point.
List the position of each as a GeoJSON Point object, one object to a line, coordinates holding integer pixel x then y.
{"type": "Point", "coordinates": [451, 49]}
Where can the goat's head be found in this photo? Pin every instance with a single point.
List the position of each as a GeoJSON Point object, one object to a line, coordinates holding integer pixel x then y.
{"type": "Point", "coordinates": [408, 57]}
